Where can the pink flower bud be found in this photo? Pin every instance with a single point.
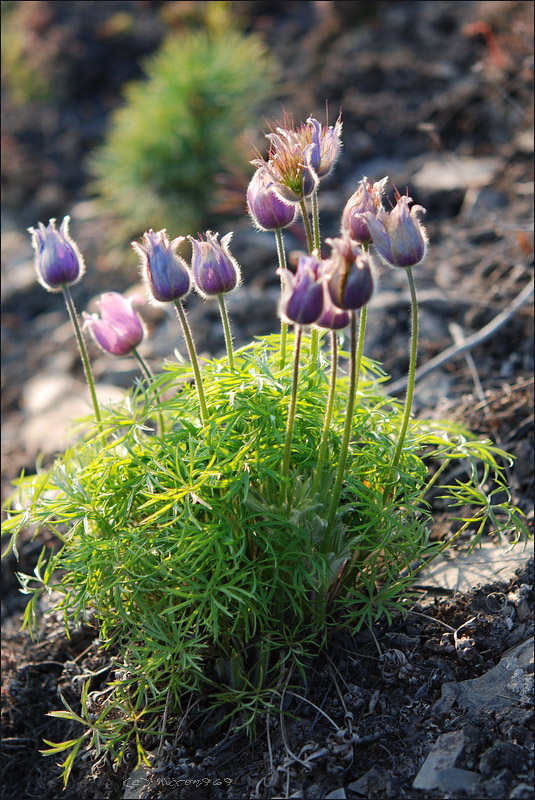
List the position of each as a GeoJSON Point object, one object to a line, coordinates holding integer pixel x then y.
{"type": "Point", "coordinates": [119, 329]}
{"type": "Point", "coordinates": [399, 236]}
{"type": "Point", "coordinates": [165, 274]}
{"type": "Point", "coordinates": [57, 259]}
{"type": "Point", "coordinates": [266, 208]}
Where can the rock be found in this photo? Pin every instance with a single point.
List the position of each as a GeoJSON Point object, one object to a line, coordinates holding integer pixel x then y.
{"type": "Point", "coordinates": [448, 697]}
{"type": "Point", "coordinates": [360, 786]}
{"type": "Point", "coordinates": [337, 794]}
{"type": "Point", "coordinates": [444, 753]}
{"type": "Point", "coordinates": [454, 780]}
{"type": "Point", "coordinates": [502, 755]}
{"type": "Point", "coordinates": [441, 175]}
{"type": "Point", "coordinates": [501, 685]}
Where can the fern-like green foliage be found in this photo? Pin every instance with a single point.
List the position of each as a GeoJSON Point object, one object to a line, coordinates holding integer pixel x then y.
{"type": "Point", "coordinates": [178, 129]}
{"type": "Point", "coordinates": [179, 548]}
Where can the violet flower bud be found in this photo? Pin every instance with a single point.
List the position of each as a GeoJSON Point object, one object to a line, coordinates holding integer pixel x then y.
{"type": "Point", "coordinates": [399, 236]}
{"type": "Point", "coordinates": [302, 299]}
{"type": "Point", "coordinates": [367, 198]}
{"type": "Point", "coordinates": [215, 271]}
{"type": "Point", "coordinates": [165, 274]}
{"type": "Point", "coordinates": [350, 281]}
{"type": "Point", "coordinates": [57, 259]}
{"type": "Point", "coordinates": [325, 146]}
{"type": "Point", "coordinates": [119, 329]}
{"type": "Point", "coordinates": [266, 208]}
{"type": "Point", "coordinates": [288, 164]}
{"type": "Point", "coordinates": [332, 318]}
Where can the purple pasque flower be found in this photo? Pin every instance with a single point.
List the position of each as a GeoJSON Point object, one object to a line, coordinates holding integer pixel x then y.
{"type": "Point", "coordinates": [302, 298]}
{"type": "Point", "coordinates": [332, 318]}
{"type": "Point", "coordinates": [349, 274]}
{"type": "Point", "coordinates": [288, 162]}
{"type": "Point", "coordinates": [215, 270]}
{"type": "Point", "coordinates": [326, 144]}
{"type": "Point", "coordinates": [165, 274]}
{"type": "Point", "coordinates": [119, 329]}
{"type": "Point", "coordinates": [266, 208]}
{"type": "Point", "coordinates": [399, 236]}
{"type": "Point", "coordinates": [57, 258]}
{"type": "Point", "coordinates": [366, 199]}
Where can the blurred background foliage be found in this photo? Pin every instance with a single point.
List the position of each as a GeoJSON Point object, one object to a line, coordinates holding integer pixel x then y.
{"type": "Point", "coordinates": [172, 144]}
{"type": "Point", "coordinates": [184, 128]}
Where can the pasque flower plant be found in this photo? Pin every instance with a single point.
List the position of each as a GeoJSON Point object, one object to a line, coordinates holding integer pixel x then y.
{"type": "Point", "coordinates": [281, 496]}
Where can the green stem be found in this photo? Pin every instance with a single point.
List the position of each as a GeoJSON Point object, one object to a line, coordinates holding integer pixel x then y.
{"type": "Point", "coordinates": [306, 223]}
{"type": "Point", "coordinates": [226, 328]}
{"type": "Point", "coordinates": [282, 265]}
{"type": "Point", "coordinates": [190, 344]}
{"type": "Point", "coordinates": [316, 221]}
{"type": "Point", "coordinates": [355, 360]}
{"type": "Point", "coordinates": [412, 370]}
{"type": "Point", "coordinates": [328, 413]}
{"type": "Point", "coordinates": [144, 367]}
{"type": "Point", "coordinates": [291, 412]}
{"type": "Point", "coordinates": [81, 347]}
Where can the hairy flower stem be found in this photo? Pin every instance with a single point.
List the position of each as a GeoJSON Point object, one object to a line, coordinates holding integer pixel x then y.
{"type": "Point", "coordinates": [291, 413]}
{"type": "Point", "coordinates": [316, 222]}
{"type": "Point", "coordinates": [328, 413]}
{"type": "Point", "coordinates": [146, 370]}
{"type": "Point", "coordinates": [410, 385]}
{"type": "Point", "coordinates": [282, 265]}
{"type": "Point", "coordinates": [186, 330]}
{"type": "Point", "coordinates": [314, 336]}
{"type": "Point", "coordinates": [306, 223]}
{"type": "Point", "coordinates": [355, 361]}
{"type": "Point", "coordinates": [226, 329]}
{"type": "Point", "coordinates": [81, 347]}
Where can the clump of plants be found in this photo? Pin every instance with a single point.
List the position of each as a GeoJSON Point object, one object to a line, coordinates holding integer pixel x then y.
{"type": "Point", "coordinates": [224, 519]}
{"type": "Point", "coordinates": [179, 128]}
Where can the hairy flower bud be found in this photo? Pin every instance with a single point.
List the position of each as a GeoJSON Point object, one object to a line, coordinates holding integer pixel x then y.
{"type": "Point", "coordinates": [350, 281]}
{"type": "Point", "coordinates": [399, 236]}
{"type": "Point", "coordinates": [57, 259]}
{"type": "Point", "coordinates": [302, 299]}
{"type": "Point", "coordinates": [325, 140]}
{"type": "Point", "coordinates": [367, 198]}
{"type": "Point", "coordinates": [165, 274]}
{"type": "Point", "coordinates": [266, 208]}
{"type": "Point", "coordinates": [332, 318]}
{"type": "Point", "coordinates": [119, 329]}
{"type": "Point", "coordinates": [215, 271]}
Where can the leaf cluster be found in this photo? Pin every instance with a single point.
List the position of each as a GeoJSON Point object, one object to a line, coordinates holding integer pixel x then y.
{"type": "Point", "coordinates": [179, 548]}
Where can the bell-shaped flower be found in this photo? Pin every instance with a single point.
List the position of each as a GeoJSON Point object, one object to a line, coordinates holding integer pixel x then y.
{"type": "Point", "coordinates": [326, 144]}
{"type": "Point", "coordinates": [332, 318]}
{"type": "Point", "coordinates": [302, 298]}
{"type": "Point", "coordinates": [266, 208]}
{"type": "Point", "coordinates": [288, 163]}
{"type": "Point", "coordinates": [119, 329]}
{"type": "Point", "coordinates": [58, 261]}
{"type": "Point", "coordinates": [165, 274]}
{"type": "Point", "coordinates": [350, 276]}
{"type": "Point", "coordinates": [215, 270]}
{"type": "Point", "coordinates": [366, 199]}
{"type": "Point", "coordinates": [399, 236]}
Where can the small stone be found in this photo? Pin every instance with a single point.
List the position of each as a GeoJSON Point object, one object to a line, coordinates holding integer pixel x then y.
{"type": "Point", "coordinates": [453, 779]}
{"type": "Point", "coordinates": [448, 697]}
{"type": "Point", "coordinates": [522, 791]}
{"type": "Point", "coordinates": [444, 753]}
{"type": "Point", "coordinates": [337, 794]}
